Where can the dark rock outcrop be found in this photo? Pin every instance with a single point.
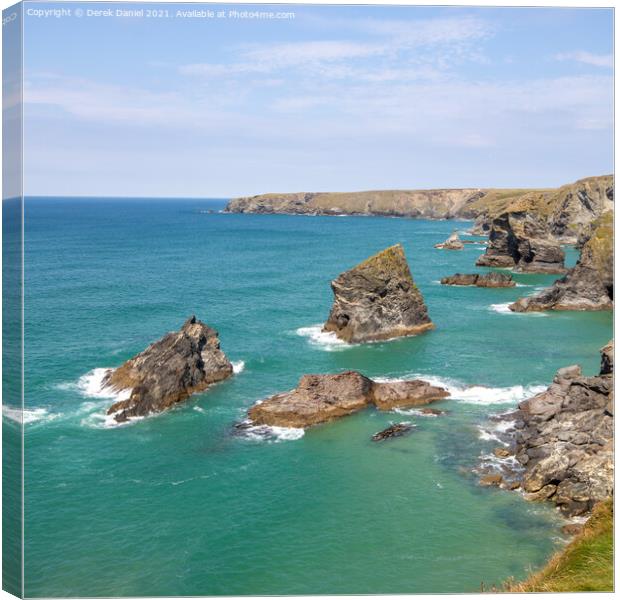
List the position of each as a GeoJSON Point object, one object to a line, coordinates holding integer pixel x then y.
{"type": "Point", "coordinates": [588, 286]}
{"type": "Point", "coordinates": [396, 430]}
{"type": "Point", "coordinates": [378, 300]}
{"type": "Point", "coordinates": [322, 398]}
{"type": "Point", "coordinates": [521, 240]}
{"type": "Point", "coordinates": [565, 439]}
{"type": "Point", "coordinates": [169, 371]}
{"type": "Point", "coordinates": [452, 243]}
{"type": "Point", "coordinates": [491, 280]}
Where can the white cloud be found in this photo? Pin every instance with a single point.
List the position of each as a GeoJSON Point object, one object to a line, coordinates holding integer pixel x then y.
{"type": "Point", "coordinates": [587, 58]}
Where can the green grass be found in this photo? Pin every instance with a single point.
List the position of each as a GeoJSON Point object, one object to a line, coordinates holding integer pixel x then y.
{"type": "Point", "coordinates": [585, 565]}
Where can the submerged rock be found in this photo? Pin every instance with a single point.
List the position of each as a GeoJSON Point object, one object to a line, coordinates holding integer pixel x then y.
{"type": "Point", "coordinates": [566, 443]}
{"type": "Point", "coordinates": [378, 300]}
{"type": "Point", "coordinates": [322, 398]}
{"type": "Point", "coordinates": [491, 280]}
{"type": "Point", "coordinates": [169, 371]}
{"type": "Point", "coordinates": [396, 430]}
{"type": "Point", "coordinates": [587, 286]}
{"type": "Point", "coordinates": [522, 241]}
{"type": "Point", "coordinates": [452, 243]}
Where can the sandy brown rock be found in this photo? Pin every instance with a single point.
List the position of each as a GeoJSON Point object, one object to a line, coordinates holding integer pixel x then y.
{"type": "Point", "coordinates": [378, 300]}
{"type": "Point", "coordinates": [489, 280]}
{"type": "Point", "coordinates": [322, 398]}
{"type": "Point", "coordinates": [405, 394]}
{"type": "Point", "coordinates": [169, 371]}
{"type": "Point", "coordinates": [452, 243]}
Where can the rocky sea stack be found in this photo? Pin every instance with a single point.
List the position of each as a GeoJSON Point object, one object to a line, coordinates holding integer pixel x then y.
{"type": "Point", "coordinates": [589, 285]}
{"type": "Point", "coordinates": [378, 300]}
{"type": "Point", "coordinates": [169, 371]}
{"type": "Point", "coordinates": [522, 241]}
{"type": "Point", "coordinates": [322, 398]}
{"type": "Point", "coordinates": [564, 439]}
{"type": "Point", "coordinates": [490, 280]}
{"type": "Point", "coordinates": [452, 243]}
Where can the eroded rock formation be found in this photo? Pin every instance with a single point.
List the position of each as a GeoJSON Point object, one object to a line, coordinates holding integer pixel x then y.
{"type": "Point", "coordinates": [521, 240]}
{"type": "Point", "coordinates": [492, 280]}
{"type": "Point", "coordinates": [169, 371]}
{"type": "Point", "coordinates": [395, 430]}
{"type": "Point", "coordinates": [452, 243]}
{"type": "Point", "coordinates": [322, 398]}
{"type": "Point", "coordinates": [564, 439]}
{"type": "Point", "coordinates": [378, 300]}
{"type": "Point", "coordinates": [588, 286]}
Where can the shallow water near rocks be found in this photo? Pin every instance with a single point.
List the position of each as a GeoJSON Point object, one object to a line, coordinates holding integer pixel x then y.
{"type": "Point", "coordinates": [182, 503]}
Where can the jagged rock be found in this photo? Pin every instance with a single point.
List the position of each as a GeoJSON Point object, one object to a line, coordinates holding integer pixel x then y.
{"type": "Point", "coordinates": [566, 444]}
{"type": "Point", "coordinates": [396, 430]}
{"type": "Point", "coordinates": [378, 300]}
{"type": "Point", "coordinates": [405, 394]}
{"type": "Point", "coordinates": [501, 452]}
{"type": "Point", "coordinates": [522, 241]}
{"type": "Point", "coordinates": [169, 371]}
{"type": "Point", "coordinates": [588, 286]}
{"type": "Point", "coordinates": [491, 480]}
{"type": "Point", "coordinates": [322, 398]}
{"type": "Point", "coordinates": [578, 204]}
{"type": "Point", "coordinates": [607, 359]}
{"type": "Point", "coordinates": [491, 280]}
{"type": "Point", "coordinates": [452, 243]}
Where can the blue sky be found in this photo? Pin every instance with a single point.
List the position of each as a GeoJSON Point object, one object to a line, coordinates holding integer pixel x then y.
{"type": "Point", "coordinates": [338, 98]}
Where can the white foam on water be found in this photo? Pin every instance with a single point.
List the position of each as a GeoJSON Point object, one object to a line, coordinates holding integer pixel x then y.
{"type": "Point", "coordinates": [91, 385]}
{"type": "Point", "coordinates": [474, 394]}
{"type": "Point", "coordinates": [413, 412]}
{"type": "Point", "coordinates": [238, 366]}
{"type": "Point", "coordinates": [504, 310]}
{"type": "Point", "coordinates": [271, 433]}
{"type": "Point", "coordinates": [326, 340]}
{"type": "Point", "coordinates": [28, 415]}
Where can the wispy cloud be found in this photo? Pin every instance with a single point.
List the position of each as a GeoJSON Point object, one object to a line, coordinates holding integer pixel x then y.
{"type": "Point", "coordinates": [587, 58]}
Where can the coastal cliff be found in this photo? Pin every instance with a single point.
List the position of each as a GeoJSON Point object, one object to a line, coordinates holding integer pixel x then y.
{"type": "Point", "coordinates": [567, 210]}
{"type": "Point", "coordinates": [378, 300]}
{"type": "Point", "coordinates": [589, 285]}
{"type": "Point", "coordinates": [521, 240]}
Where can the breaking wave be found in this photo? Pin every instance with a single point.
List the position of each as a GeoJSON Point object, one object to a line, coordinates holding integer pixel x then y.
{"type": "Point", "coordinates": [326, 340]}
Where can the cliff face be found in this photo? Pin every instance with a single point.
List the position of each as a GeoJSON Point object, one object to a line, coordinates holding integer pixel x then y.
{"type": "Point", "coordinates": [521, 240]}
{"type": "Point", "coordinates": [566, 210]}
{"type": "Point", "coordinates": [431, 204]}
{"type": "Point", "coordinates": [377, 300]}
{"type": "Point", "coordinates": [564, 439]}
{"type": "Point", "coordinates": [169, 371]}
{"type": "Point", "coordinates": [589, 285]}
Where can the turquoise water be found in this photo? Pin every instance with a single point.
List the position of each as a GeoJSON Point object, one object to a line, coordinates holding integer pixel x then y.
{"type": "Point", "coordinates": [177, 504]}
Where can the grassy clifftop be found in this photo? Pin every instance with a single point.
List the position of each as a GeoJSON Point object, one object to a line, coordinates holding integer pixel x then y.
{"type": "Point", "coordinates": [585, 565]}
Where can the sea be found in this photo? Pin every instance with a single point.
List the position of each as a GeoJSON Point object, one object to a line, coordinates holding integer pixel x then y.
{"type": "Point", "coordinates": [183, 503]}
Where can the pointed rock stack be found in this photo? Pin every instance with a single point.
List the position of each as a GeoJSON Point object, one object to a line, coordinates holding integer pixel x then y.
{"type": "Point", "coordinates": [378, 300]}
{"type": "Point", "coordinates": [169, 371]}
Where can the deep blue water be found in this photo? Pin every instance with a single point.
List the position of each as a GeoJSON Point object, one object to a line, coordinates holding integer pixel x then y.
{"type": "Point", "coordinates": [178, 505]}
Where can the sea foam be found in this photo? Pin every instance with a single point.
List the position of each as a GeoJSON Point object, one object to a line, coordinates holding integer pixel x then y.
{"type": "Point", "coordinates": [326, 340]}
{"type": "Point", "coordinates": [28, 415]}
{"type": "Point", "coordinates": [476, 394]}
{"type": "Point", "coordinates": [271, 433]}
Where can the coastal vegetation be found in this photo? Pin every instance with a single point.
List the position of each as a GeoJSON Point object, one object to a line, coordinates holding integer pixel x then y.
{"type": "Point", "coordinates": [585, 565]}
